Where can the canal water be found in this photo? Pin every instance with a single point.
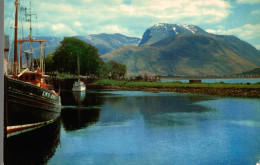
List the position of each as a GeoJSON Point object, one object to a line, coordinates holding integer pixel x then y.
{"type": "Point", "coordinates": [153, 128]}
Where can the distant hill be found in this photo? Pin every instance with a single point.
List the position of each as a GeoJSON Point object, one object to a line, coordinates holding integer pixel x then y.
{"type": "Point", "coordinates": [103, 42]}
{"type": "Point", "coordinates": [51, 44]}
{"type": "Point", "coordinates": [255, 72]}
{"type": "Point", "coordinates": [108, 42]}
{"type": "Point", "coordinates": [189, 54]}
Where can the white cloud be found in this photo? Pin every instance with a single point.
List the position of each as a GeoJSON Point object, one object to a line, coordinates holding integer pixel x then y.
{"type": "Point", "coordinates": [77, 24]}
{"type": "Point", "coordinates": [255, 12]}
{"type": "Point", "coordinates": [199, 11]}
{"type": "Point", "coordinates": [110, 29]}
{"type": "Point", "coordinates": [60, 29]}
{"type": "Point", "coordinates": [248, 1]}
{"type": "Point", "coordinates": [257, 47]}
{"type": "Point", "coordinates": [81, 16]}
{"type": "Point", "coordinates": [246, 32]}
{"type": "Point", "coordinates": [115, 12]}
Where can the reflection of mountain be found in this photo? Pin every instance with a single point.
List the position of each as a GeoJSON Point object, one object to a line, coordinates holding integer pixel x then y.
{"type": "Point", "coordinates": [172, 110]}
{"type": "Point", "coordinates": [177, 104]}
{"type": "Point", "coordinates": [157, 109]}
{"type": "Point", "coordinates": [35, 147]}
{"type": "Point", "coordinates": [78, 118]}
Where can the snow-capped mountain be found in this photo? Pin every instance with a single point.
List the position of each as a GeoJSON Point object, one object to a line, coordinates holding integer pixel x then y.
{"type": "Point", "coordinates": [163, 30]}
{"type": "Point", "coordinates": [186, 50]}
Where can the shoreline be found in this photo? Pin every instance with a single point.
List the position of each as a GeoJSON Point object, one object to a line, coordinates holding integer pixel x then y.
{"type": "Point", "coordinates": [226, 92]}
{"type": "Point", "coordinates": [203, 78]}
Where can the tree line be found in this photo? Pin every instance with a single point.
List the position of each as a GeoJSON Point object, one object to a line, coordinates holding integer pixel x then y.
{"type": "Point", "coordinates": [73, 51]}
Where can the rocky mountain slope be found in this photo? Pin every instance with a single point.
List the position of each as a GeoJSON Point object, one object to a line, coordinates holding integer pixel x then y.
{"type": "Point", "coordinates": [186, 52]}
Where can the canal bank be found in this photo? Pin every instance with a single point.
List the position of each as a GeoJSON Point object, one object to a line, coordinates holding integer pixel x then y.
{"type": "Point", "coordinates": [218, 89]}
{"type": "Point", "coordinates": [233, 92]}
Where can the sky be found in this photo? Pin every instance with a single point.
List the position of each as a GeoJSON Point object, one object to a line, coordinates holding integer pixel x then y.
{"type": "Point", "coordinates": [61, 18]}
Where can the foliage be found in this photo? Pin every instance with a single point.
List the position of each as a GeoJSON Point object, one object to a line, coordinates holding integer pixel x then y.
{"type": "Point", "coordinates": [116, 69]}
{"type": "Point", "coordinates": [71, 48]}
{"type": "Point", "coordinates": [49, 63]}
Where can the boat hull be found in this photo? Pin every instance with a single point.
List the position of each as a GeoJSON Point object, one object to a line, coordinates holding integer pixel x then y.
{"type": "Point", "coordinates": [28, 103]}
{"type": "Point", "coordinates": [79, 86]}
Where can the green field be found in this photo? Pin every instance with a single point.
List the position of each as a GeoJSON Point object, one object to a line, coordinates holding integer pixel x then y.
{"type": "Point", "coordinates": [143, 84]}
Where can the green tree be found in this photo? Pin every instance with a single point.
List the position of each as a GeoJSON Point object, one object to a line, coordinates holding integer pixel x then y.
{"type": "Point", "coordinates": [49, 63]}
{"type": "Point", "coordinates": [116, 69]}
{"type": "Point", "coordinates": [65, 57]}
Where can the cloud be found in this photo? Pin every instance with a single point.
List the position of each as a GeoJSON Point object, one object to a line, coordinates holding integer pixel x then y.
{"type": "Point", "coordinates": [110, 29]}
{"type": "Point", "coordinates": [60, 29]}
{"type": "Point", "coordinates": [257, 47]}
{"type": "Point", "coordinates": [248, 1]}
{"type": "Point", "coordinates": [81, 16]}
{"type": "Point", "coordinates": [246, 32]}
{"type": "Point", "coordinates": [255, 12]}
{"type": "Point", "coordinates": [167, 10]}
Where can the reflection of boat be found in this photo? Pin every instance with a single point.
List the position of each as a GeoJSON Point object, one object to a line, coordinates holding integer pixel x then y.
{"type": "Point", "coordinates": [78, 118]}
{"type": "Point", "coordinates": [28, 101]}
{"type": "Point", "coordinates": [79, 97]}
{"type": "Point", "coordinates": [35, 147]}
{"type": "Point", "coordinates": [78, 86]}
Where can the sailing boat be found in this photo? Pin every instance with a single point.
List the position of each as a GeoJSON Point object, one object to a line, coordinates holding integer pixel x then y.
{"type": "Point", "coordinates": [29, 103]}
{"type": "Point", "coordinates": [78, 86]}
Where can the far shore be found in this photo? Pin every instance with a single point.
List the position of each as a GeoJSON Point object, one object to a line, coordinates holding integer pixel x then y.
{"type": "Point", "coordinates": [218, 89]}
{"type": "Point", "coordinates": [203, 78]}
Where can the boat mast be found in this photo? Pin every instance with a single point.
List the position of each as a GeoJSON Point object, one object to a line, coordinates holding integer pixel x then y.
{"type": "Point", "coordinates": [15, 37]}
{"type": "Point", "coordinates": [78, 65]}
{"type": "Point", "coordinates": [30, 40]}
{"type": "Point", "coordinates": [30, 23]}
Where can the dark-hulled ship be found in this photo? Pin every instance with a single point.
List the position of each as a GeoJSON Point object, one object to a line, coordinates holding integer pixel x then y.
{"type": "Point", "coordinates": [30, 102]}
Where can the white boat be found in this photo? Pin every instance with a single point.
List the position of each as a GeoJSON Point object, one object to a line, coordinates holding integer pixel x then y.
{"type": "Point", "coordinates": [78, 86]}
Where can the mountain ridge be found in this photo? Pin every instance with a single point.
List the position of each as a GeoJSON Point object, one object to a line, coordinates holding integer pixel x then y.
{"type": "Point", "coordinates": [187, 53]}
{"type": "Point", "coordinates": [104, 42]}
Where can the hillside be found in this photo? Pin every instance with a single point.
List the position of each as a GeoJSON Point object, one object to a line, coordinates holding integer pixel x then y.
{"type": "Point", "coordinates": [254, 72]}
{"type": "Point", "coordinates": [103, 42]}
{"type": "Point", "coordinates": [189, 55]}
{"type": "Point", "coordinates": [108, 42]}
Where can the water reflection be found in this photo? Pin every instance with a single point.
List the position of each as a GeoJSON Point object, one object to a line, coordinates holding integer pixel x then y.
{"type": "Point", "coordinates": [129, 127]}
{"type": "Point", "coordinates": [84, 99]}
{"type": "Point", "coordinates": [157, 109]}
{"type": "Point", "coordinates": [78, 118]}
{"type": "Point", "coordinates": [79, 97]}
{"type": "Point", "coordinates": [81, 111]}
{"type": "Point", "coordinates": [35, 147]}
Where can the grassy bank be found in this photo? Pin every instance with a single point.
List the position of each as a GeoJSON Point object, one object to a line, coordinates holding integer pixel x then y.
{"type": "Point", "coordinates": [222, 89]}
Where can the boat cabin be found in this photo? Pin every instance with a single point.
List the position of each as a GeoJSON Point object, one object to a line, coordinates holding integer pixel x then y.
{"type": "Point", "coordinates": [33, 78]}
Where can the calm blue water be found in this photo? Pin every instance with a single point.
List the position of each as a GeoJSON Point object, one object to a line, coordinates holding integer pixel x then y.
{"type": "Point", "coordinates": [232, 81]}
{"type": "Point", "coordinates": [129, 127]}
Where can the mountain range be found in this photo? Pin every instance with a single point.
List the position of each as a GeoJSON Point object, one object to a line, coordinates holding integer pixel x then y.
{"type": "Point", "coordinates": [186, 50]}
{"type": "Point", "coordinates": [103, 42]}
{"type": "Point", "coordinates": [170, 50]}
{"type": "Point", "coordinates": [108, 42]}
